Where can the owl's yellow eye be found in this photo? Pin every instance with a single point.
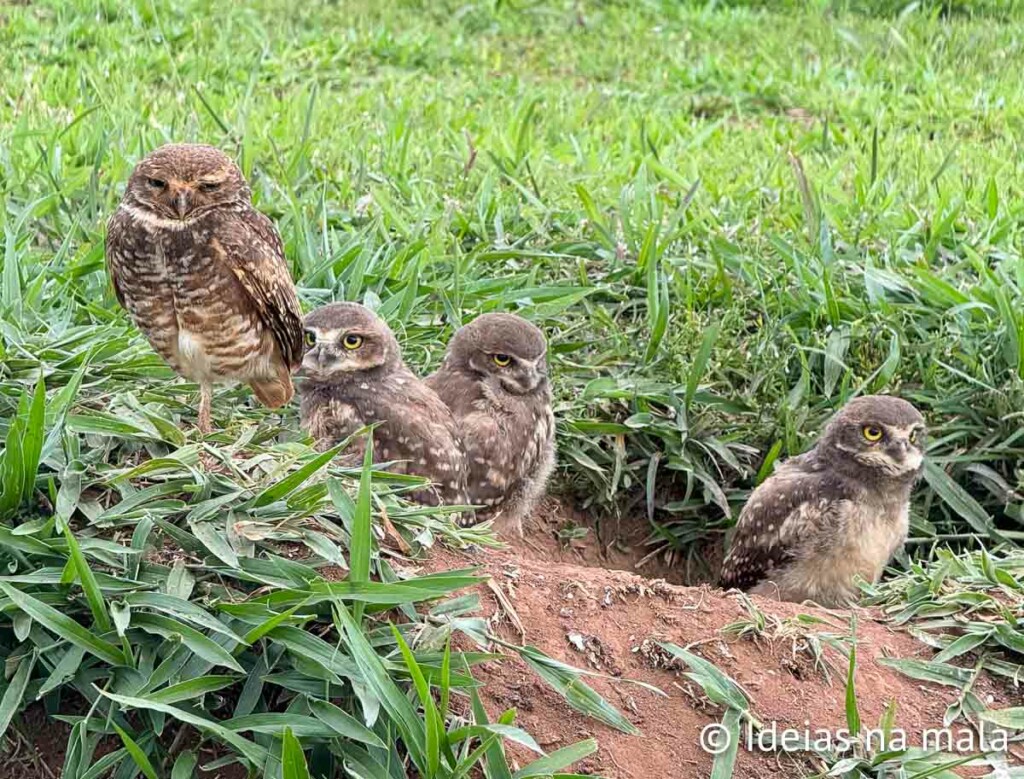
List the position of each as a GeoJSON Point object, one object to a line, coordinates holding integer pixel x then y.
{"type": "Point", "coordinates": [501, 360]}
{"type": "Point", "coordinates": [209, 186]}
{"type": "Point", "coordinates": [309, 338]}
{"type": "Point", "coordinates": [915, 437]}
{"type": "Point", "coordinates": [872, 433]}
{"type": "Point", "coordinates": [157, 183]}
{"type": "Point", "coordinates": [352, 341]}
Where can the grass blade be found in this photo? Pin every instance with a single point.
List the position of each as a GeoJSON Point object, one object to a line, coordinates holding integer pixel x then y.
{"type": "Point", "coordinates": [293, 759]}
{"type": "Point", "coordinates": [64, 626]}
{"type": "Point", "coordinates": [15, 692]}
{"type": "Point", "coordinates": [137, 754]}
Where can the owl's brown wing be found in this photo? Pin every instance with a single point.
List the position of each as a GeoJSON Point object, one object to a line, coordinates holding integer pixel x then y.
{"type": "Point", "coordinates": [419, 431]}
{"type": "Point", "coordinates": [783, 513]}
{"type": "Point", "coordinates": [460, 392]}
{"type": "Point", "coordinates": [255, 255]}
{"type": "Point", "coordinates": [117, 250]}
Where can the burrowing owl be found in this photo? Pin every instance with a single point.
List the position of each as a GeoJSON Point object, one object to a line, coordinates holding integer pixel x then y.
{"type": "Point", "coordinates": [203, 274]}
{"type": "Point", "coordinates": [353, 376]}
{"type": "Point", "coordinates": [835, 513]}
{"type": "Point", "coordinates": [494, 378]}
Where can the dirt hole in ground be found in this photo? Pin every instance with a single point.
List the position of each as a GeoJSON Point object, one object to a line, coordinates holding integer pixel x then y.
{"type": "Point", "coordinates": [559, 532]}
{"type": "Point", "coordinates": [579, 599]}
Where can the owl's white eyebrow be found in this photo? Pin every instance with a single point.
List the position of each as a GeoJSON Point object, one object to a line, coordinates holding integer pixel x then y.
{"type": "Point", "coordinates": [326, 335]}
{"type": "Point", "coordinates": [907, 429]}
{"type": "Point", "coordinates": [154, 220]}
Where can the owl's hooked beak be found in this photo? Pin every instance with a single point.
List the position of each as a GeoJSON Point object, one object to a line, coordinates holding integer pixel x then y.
{"type": "Point", "coordinates": [314, 362]}
{"type": "Point", "coordinates": [183, 202]}
{"type": "Point", "coordinates": [538, 374]}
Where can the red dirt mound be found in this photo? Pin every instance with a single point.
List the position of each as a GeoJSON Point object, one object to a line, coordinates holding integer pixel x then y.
{"type": "Point", "coordinates": [611, 621]}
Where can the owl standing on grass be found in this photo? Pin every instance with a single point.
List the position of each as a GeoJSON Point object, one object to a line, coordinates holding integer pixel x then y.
{"type": "Point", "coordinates": [836, 514]}
{"type": "Point", "coordinates": [494, 378]}
{"type": "Point", "coordinates": [203, 275]}
{"type": "Point", "coordinates": [353, 376]}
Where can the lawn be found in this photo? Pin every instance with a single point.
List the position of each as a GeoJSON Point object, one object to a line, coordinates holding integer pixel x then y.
{"type": "Point", "coordinates": [728, 217]}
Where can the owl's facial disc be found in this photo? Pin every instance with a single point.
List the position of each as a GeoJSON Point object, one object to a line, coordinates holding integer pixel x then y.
{"type": "Point", "coordinates": [517, 375]}
{"type": "Point", "coordinates": [337, 353]}
{"type": "Point", "coordinates": [896, 450]}
{"type": "Point", "coordinates": [180, 185]}
{"type": "Point", "coordinates": [181, 199]}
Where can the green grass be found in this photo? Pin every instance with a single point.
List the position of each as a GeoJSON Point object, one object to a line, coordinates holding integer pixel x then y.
{"type": "Point", "coordinates": [729, 217]}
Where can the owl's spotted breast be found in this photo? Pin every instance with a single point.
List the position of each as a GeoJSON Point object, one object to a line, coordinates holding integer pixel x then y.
{"type": "Point", "coordinates": [187, 302]}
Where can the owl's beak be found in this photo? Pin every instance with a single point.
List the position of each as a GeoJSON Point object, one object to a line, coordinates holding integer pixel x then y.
{"type": "Point", "coordinates": [314, 362]}
{"type": "Point", "coordinates": [536, 377]}
{"type": "Point", "coordinates": [539, 374]}
{"type": "Point", "coordinates": [900, 447]}
{"type": "Point", "coordinates": [182, 203]}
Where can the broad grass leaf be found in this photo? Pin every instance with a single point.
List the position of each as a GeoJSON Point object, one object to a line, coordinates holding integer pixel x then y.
{"type": "Point", "coordinates": [293, 759]}
{"type": "Point", "coordinates": [216, 542]}
{"type": "Point", "coordinates": [192, 688]}
{"type": "Point", "coordinates": [962, 645]}
{"type": "Point", "coordinates": [435, 734]}
{"type": "Point", "coordinates": [63, 626]}
{"type": "Point", "coordinates": [700, 362]}
{"type": "Point", "coordinates": [508, 732]}
{"type": "Point", "coordinates": [852, 711]}
{"type": "Point", "coordinates": [930, 671]}
{"type": "Point", "coordinates": [185, 765]}
{"type": "Point", "coordinates": [496, 764]}
{"type": "Point", "coordinates": [64, 671]}
{"type": "Point", "coordinates": [181, 609]}
{"type": "Point", "coordinates": [343, 723]}
{"type": "Point", "coordinates": [199, 643]}
{"type": "Point", "coordinates": [32, 438]}
{"type": "Point", "coordinates": [725, 761]}
{"type": "Point", "coordinates": [718, 686]}
{"type": "Point", "coordinates": [137, 754]}
{"type": "Point", "coordinates": [13, 696]}
{"type": "Point", "coordinates": [362, 528]}
{"type": "Point", "coordinates": [558, 760]}
{"type": "Point", "coordinates": [271, 723]}
{"type": "Point", "coordinates": [254, 753]}
{"type": "Point", "coordinates": [294, 480]}
{"type": "Point", "coordinates": [93, 595]}
{"type": "Point", "coordinates": [1005, 718]}
{"type": "Point", "coordinates": [958, 499]}
{"type": "Point", "coordinates": [576, 692]}
{"type": "Point", "coordinates": [411, 727]}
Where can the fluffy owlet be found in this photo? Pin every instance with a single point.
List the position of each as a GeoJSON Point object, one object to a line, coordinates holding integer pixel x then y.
{"type": "Point", "coordinates": [203, 275]}
{"type": "Point", "coordinates": [494, 378]}
{"type": "Point", "coordinates": [835, 513]}
{"type": "Point", "coordinates": [352, 376]}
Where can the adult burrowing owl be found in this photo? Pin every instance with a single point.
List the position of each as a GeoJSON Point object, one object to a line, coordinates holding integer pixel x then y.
{"type": "Point", "coordinates": [833, 514]}
{"type": "Point", "coordinates": [352, 376]}
{"type": "Point", "coordinates": [203, 274]}
{"type": "Point", "coordinates": [494, 378]}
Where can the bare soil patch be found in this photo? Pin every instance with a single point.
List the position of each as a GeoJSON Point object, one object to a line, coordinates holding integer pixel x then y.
{"type": "Point", "coordinates": [575, 607]}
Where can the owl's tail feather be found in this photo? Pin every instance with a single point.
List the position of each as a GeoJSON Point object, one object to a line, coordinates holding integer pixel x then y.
{"type": "Point", "coordinates": [275, 392]}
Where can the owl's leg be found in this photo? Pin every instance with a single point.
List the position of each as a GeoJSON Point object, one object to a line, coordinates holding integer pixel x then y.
{"type": "Point", "coordinates": [205, 404]}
